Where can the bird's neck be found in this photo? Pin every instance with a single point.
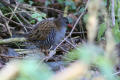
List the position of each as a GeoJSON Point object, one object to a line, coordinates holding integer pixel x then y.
{"type": "Point", "coordinates": [59, 24]}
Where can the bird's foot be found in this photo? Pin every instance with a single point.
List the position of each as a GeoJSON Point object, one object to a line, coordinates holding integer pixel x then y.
{"type": "Point", "coordinates": [50, 55]}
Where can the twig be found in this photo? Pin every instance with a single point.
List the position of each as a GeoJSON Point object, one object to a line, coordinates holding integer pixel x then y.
{"type": "Point", "coordinates": [63, 49]}
{"type": "Point", "coordinates": [10, 40]}
{"type": "Point", "coordinates": [19, 50]}
{"type": "Point", "coordinates": [8, 28]}
{"type": "Point", "coordinates": [25, 20]}
{"type": "Point", "coordinates": [6, 56]}
{"type": "Point", "coordinates": [116, 73]}
{"type": "Point", "coordinates": [71, 43]}
{"type": "Point", "coordinates": [13, 21]}
{"type": "Point", "coordinates": [6, 24]}
{"type": "Point", "coordinates": [27, 51]}
{"type": "Point", "coordinates": [19, 6]}
{"type": "Point", "coordinates": [2, 25]}
{"type": "Point", "coordinates": [13, 12]}
{"type": "Point", "coordinates": [113, 13]}
{"type": "Point", "coordinates": [76, 32]}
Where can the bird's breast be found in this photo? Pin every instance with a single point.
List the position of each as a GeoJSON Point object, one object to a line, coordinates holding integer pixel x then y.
{"type": "Point", "coordinates": [60, 35]}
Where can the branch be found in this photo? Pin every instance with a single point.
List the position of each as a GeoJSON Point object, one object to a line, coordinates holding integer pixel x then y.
{"type": "Point", "coordinates": [113, 12]}
{"type": "Point", "coordinates": [11, 40]}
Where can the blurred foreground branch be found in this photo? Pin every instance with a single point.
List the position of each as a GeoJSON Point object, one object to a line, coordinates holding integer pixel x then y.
{"type": "Point", "coordinates": [74, 71]}
{"type": "Point", "coordinates": [13, 70]}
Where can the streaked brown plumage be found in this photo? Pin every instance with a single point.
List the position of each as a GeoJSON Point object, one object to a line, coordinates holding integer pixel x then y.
{"type": "Point", "coordinates": [48, 33]}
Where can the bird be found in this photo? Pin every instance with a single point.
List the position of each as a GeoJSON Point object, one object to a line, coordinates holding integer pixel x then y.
{"type": "Point", "coordinates": [48, 33]}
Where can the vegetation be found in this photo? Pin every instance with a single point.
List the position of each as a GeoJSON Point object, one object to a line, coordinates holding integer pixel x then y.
{"type": "Point", "coordinates": [90, 50]}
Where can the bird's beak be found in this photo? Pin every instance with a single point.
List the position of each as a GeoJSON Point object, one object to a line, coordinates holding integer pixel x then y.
{"type": "Point", "coordinates": [69, 25]}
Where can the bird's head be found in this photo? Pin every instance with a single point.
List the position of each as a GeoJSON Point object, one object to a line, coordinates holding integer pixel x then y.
{"type": "Point", "coordinates": [63, 21]}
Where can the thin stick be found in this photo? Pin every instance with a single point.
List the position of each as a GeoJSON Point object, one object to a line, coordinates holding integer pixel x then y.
{"type": "Point", "coordinates": [76, 32]}
{"type": "Point", "coordinates": [71, 43]}
{"type": "Point", "coordinates": [18, 20]}
{"type": "Point", "coordinates": [116, 73]}
{"type": "Point", "coordinates": [6, 24]}
{"type": "Point", "coordinates": [8, 27]}
{"type": "Point", "coordinates": [13, 21]}
{"type": "Point", "coordinates": [113, 13]}
{"type": "Point", "coordinates": [5, 41]}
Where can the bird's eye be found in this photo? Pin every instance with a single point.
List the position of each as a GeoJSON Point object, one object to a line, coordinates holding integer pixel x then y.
{"type": "Point", "coordinates": [66, 20]}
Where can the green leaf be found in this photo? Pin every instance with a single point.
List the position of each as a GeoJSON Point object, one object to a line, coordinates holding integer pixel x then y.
{"type": "Point", "coordinates": [116, 32]}
{"type": "Point", "coordinates": [47, 2]}
{"type": "Point", "coordinates": [60, 1]}
{"type": "Point", "coordinates": [32, 21]}
{"type": "Point", "coordinates": [85, 18]}
{"type": "Point", "coordinates": [101, 31]}
{"type": "Point", "coordinates": [31, 2]}
{"type": "Point", "coordinates": [71, 4]}
{"type": "Point", "coordinates": [39, 16]}
{"type": "Point", "coordinates": [93, 54]}
{"type": "Point", "coordinates": [20, 1]}
{"type": "Point", "coordinates": [34, 70]}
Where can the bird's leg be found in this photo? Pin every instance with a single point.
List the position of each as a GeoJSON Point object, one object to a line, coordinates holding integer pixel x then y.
{"type": "Point", "coordinates": [49, 56]}
{"type": "Point", "coordinates": [46, 52]}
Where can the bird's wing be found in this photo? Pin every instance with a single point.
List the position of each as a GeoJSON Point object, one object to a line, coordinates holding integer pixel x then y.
{"type": "Point", "coordinates": [41, 30]}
